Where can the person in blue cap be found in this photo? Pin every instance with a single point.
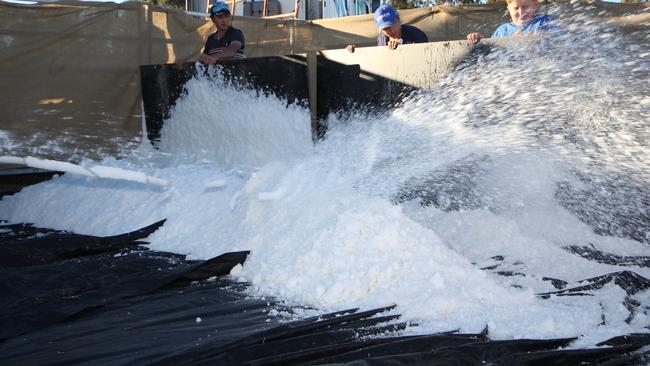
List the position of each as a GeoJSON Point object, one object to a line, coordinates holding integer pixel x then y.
{"type": "Point", "coordinates": [227, 42]}
{"type": "Point", "coordinates": [525, 20]}
{"type": "Point", "coordinates": [392, 32]}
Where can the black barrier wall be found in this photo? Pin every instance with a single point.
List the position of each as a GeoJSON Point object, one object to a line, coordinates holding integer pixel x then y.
{"type": "Point", "coordinates": [340, 88]}
{"type": "Point", "coordinates": [162, 85]}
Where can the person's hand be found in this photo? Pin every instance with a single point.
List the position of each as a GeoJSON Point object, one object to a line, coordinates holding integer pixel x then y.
{"type": "Point", "coordinates": [474, 37]}
{"type": "Point", "coordinates": [351, 47]}
{"type": "Point", "coordinates": [393, 43]}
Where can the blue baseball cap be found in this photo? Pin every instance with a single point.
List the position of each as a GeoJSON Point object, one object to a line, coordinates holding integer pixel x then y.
{"type": "Point", "coordinates": [386, 16]}
{"type": "Point", "coordinates": [219, 8]}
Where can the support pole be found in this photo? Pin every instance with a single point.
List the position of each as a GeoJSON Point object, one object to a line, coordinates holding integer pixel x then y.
{"type": "Point", "coordinates": [312, 76]}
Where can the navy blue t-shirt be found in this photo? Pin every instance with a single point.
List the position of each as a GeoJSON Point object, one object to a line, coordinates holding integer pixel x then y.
{"type": "Point", "coordinates": [410, 34]}
{"type": "Point", "coordinates": [215, 45]}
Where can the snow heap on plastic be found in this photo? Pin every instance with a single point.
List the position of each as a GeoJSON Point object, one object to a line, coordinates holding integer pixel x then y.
{"type": "Point", "coordinates": [327, 227]}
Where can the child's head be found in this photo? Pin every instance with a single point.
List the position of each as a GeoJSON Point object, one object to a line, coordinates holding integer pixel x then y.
{"type": "Point", "coordinates": [387, 19]}
{"type": "Point", "coordinates": [522, 11]}
{"type": "Point", "coordinates": [220, 15]}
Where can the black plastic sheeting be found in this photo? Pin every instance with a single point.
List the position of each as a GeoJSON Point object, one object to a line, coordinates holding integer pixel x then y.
{"type": "Point", "coordinates": [71, 299]}
{"type": "Point", "coordinates": [13, 180]}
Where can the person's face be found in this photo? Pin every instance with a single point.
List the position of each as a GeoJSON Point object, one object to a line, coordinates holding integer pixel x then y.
{"type": "Point", "coordinates": [522, 11]}
{"type": "Point", "coordinates": [221, 21]}
{"type": "Point", "coordinates": [394, 31]}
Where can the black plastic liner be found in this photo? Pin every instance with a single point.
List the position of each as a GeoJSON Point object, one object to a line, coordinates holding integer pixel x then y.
{"type": "Point", "coordinates": [71, 299]}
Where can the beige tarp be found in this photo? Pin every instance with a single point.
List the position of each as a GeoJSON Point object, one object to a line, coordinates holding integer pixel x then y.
{"type": "Point", "coordinates": [69, 77]}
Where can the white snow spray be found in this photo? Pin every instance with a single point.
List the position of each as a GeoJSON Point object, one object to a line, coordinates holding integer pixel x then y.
{"type": "Point", "coordinates": [459, 206]}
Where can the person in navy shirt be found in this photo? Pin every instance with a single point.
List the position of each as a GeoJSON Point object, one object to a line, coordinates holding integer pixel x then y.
{"type": "Point", "coordinates": [525, 20]}
{"type": "Point", "coordinates": [227, 42]}
{"type": "Point", "coordinates": [392, 32]}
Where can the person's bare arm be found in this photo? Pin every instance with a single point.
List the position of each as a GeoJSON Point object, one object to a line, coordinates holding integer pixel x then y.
{"type": "Point", "coordinates": [229, 52]}
{"type": "Point", "coordinates": [180, 61]}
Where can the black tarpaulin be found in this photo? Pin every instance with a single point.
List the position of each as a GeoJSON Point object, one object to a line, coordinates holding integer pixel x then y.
{"type": "Point", "coordinates": [78, 299]}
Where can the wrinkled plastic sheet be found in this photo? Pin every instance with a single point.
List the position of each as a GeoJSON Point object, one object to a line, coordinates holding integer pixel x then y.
{"type": "Point", "coordinates": [76, 299]}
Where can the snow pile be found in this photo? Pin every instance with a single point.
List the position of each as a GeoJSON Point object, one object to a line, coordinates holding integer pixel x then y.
{"type": "Point", "coordinates": [223, 123]}
{"type": "Point", "coordinates": [403, 209]}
